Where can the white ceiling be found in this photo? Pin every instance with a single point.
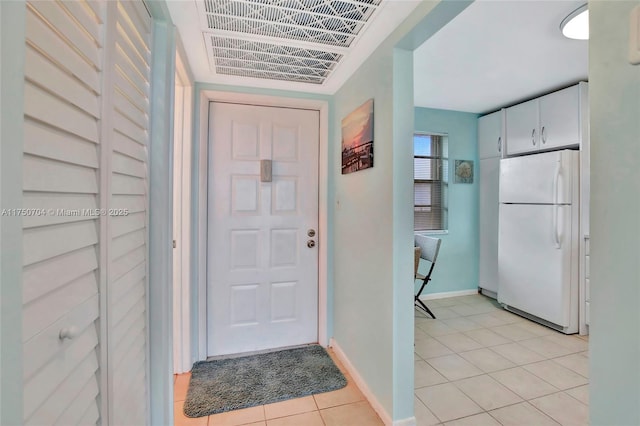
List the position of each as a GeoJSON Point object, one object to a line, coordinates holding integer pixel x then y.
{"type": "Point", "coordinates": [497, 53]}
{"type": "Point", "coordinates": [305, 45]}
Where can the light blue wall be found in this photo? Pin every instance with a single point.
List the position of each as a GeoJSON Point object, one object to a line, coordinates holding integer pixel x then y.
{"type": "Point", "coordinates": [373, 249]}
{"type": "Point", "coordinates": [614, 98]}
{"type": "Point", "coordinates": [12, 51]}
{"type": "Point", "coordinates": [457, 264]}
{"type": "Point", "coordinates": [363, 235]}
{"type": "Point", "coordinates": [403, 377]}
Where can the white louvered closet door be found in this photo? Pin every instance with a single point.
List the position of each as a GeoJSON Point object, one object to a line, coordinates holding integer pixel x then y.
{"type": "Point", "coordinates": [85, 148]}
{"type": "Point", "coordinates": [63, 73]}
{"type": "Point", "coordinates": [127, 244]}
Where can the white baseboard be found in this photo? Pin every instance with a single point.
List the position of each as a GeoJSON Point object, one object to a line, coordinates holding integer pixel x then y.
{"type": "Point", "coordinates": [362, 385]}
{"type": "Point", "coordinates": [411, 421]}
{"type": "Point", "coordinates": [449, 294]}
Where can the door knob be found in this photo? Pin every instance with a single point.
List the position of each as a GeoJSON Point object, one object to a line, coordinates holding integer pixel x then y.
{"type": "Point", "coordinates": [311, 244]}
{"type": "Point", "coordinates": [68, 333]}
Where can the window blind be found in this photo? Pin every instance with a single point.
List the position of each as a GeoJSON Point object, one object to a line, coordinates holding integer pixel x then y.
{"type": "Point", "coordinates": [430, 173]}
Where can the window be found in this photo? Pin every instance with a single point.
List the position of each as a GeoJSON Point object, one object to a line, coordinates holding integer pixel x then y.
{"type": "Point", "coordinates": [430, 181]}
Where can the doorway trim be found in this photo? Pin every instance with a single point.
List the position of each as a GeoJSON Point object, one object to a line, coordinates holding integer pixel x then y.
{"type": "Point", "coordinates": [201, 156]}
{"type": "Point", "coordinates": [183, 138]}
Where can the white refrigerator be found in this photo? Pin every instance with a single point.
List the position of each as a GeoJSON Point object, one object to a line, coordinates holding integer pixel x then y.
{"type": "Point", "coordinates": [538, 237]}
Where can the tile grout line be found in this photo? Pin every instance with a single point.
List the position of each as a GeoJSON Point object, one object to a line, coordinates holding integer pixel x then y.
{"type": "Point", "coordinates": [510, 368]}
{"type": "Point", "coordinates": [534, 407]}
{"type": "Point", "coordinates": [497, 353]}
{"type": "Point", "coordinates": [543, 412]}
{"type": "Point", "coordinates": [575, 397]}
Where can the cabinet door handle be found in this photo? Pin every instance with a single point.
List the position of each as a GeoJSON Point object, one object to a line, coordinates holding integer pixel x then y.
{"type": "Point", "coordinates": [500, 144]}
{"type": "Point", "coordinates": [543, 135]}
{"type": "Point", "coordinates": [533, 137]}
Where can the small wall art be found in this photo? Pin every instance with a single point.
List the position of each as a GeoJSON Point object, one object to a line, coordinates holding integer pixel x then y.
{"type": "Point", "coordinates": [463, 171]}
{"type": "Point", "coordinates": [357, 139]}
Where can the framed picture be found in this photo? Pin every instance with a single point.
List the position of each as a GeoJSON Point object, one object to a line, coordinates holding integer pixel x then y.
{"type": "Point", "coordinates": [463, 171]}
{"type": "Point", "coordinates": [357, 139]}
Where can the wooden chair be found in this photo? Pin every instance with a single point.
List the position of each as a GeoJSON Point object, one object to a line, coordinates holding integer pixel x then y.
{"type": "Point", "coordinates": [427, 248]}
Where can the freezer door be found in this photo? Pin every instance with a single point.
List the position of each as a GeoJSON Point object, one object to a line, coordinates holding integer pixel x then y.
{"type": "Point", "coordinates": [535, 260]}
{"type": "Point", "coordinates": [545, 178]}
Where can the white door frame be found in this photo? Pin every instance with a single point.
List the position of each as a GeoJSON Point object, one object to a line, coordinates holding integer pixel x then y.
{"type": "Point", "coordinates": [207, 96]}
{"type": "Point", "coordinates": [183, 104]}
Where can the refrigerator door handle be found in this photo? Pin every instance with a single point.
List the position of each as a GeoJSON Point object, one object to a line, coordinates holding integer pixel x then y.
{"type": "Point", "coordinates": [556, 227]}
{"type": "Point", "coordinates": [556, 182]}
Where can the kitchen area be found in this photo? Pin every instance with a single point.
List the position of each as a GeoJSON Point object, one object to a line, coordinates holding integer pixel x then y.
{"type": "Point", "coordinates": [527, 84]}
{"type": "Point", "coordinates": [534, 193]}
{"type": "Point", "coordinates": [517, 352]}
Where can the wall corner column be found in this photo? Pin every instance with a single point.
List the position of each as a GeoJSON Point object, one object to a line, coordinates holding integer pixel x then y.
{"type": "Point", "coordinates": [12, 57]}
{"type": "Point", "coordinates": [403, 127]}
{"type": "Point", "coordinates": [160, 287]}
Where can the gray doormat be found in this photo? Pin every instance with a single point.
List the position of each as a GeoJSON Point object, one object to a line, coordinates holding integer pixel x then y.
{"type": "Point", "coordinates": [235, 383]}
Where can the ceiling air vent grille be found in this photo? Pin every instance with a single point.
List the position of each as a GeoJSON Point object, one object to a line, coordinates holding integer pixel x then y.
{"type": "Point", "coordinates": [265, 60]}
{"type": "Point", "coordinates": [291, 40]}
{"type": "Point", "coordinates": [331, 22]}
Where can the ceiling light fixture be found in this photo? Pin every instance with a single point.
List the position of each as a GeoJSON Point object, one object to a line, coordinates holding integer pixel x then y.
{"type": "Point", "coordinates": [576, 25]}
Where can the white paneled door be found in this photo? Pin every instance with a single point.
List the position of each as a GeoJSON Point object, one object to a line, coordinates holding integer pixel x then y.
{"type": "Point", "coordinates": [262, 278]}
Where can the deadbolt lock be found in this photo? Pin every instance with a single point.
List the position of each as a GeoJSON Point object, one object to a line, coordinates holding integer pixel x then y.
{"type": "Point", "coordinates": [311, 233]}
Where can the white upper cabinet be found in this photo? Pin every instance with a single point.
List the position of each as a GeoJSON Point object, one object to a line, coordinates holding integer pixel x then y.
{"type": "Point", "coordinates": [522, 128]}
{"type": "Point", "coordinates": [560, 119]}
{"type": "Point", "coordinates": [490, 135]}
{"type": "Point", "coordinates": [550, 122]}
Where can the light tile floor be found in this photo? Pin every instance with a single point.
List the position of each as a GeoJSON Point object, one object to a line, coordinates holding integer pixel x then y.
{"type": "Point", "coordinates": [477, 364]}
{"type": "Point", "coordinates": [344, 407]}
